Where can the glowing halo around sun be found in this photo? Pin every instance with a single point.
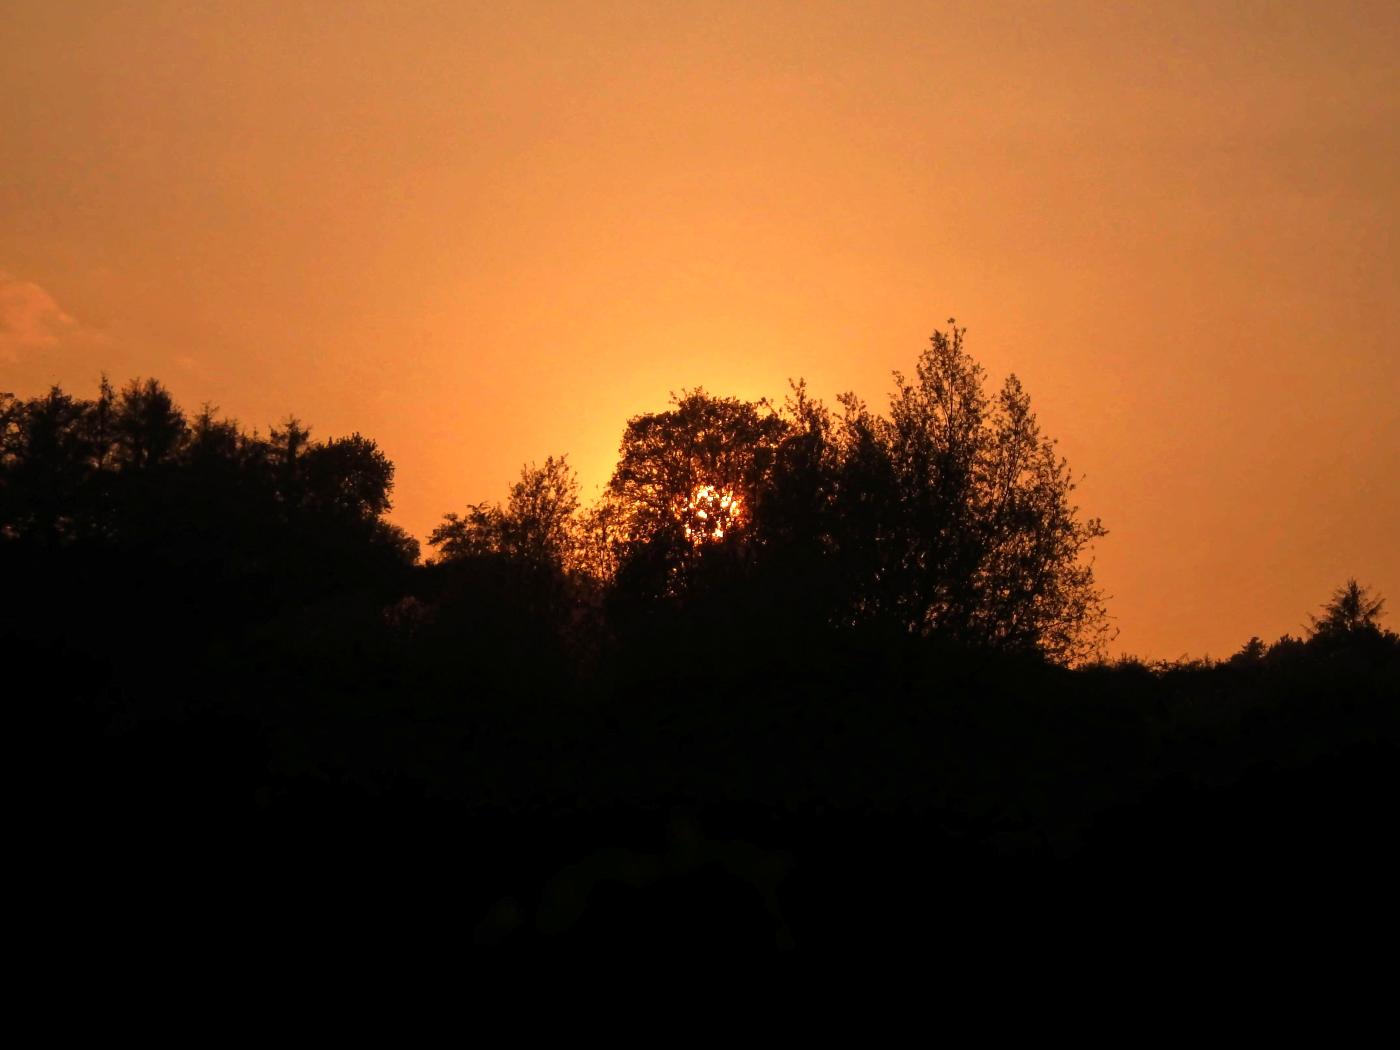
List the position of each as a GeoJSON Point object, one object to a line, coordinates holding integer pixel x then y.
{"type": "Point", "coordinates": [712, 513]}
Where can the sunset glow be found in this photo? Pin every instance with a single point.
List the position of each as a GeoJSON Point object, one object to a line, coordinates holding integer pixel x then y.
{"type": "Point", "coordinates": [484, 234]}
{"type": "Point", "coordinates": [696, 479]}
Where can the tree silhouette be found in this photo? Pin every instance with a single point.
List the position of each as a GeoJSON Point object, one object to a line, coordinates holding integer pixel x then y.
{"type": "Point", "coordinates": [701, 449]}
{"type": "Point", "coordinates": [1351, 613]}
{"type": "Point", "coordinates": [535, 527]}
{"type": "Point", "coordinates": [807, 625]}
{"type": "Point", "coordinates": [949, 518]}
{"type": "Point", "coordinates": [199, 513]}
{"type": "Point", "coordinates": [149, 426]}
{"type": "Point", "coordinates": [987, 543]}
{"type": "Point", "coordinates": [684, 484]}
{"type": "Point", "coordinates": [507, 569]}
{"type": "Point", "coordinates": [49, 467]}
{"type": "Point", "coordinates": [348, 478]}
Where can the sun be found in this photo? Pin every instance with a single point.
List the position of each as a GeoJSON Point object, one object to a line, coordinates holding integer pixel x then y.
{"type": "Point", "coordinates": [711, 513]}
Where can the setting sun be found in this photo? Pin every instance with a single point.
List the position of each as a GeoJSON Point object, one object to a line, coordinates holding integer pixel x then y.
{"type": "Point", "coordinates": [711, 513]}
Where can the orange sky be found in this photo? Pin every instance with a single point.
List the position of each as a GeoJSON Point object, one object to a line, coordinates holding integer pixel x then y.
{"type": "Point", "coordinates": [482, 233]}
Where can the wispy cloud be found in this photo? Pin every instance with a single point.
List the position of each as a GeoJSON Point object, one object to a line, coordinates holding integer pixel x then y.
{"type": "Point", "coordinates": [30, 318]}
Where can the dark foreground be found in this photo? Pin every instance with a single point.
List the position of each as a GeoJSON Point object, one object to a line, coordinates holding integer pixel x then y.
{"type": "Point", "coordinates": [797, 681]}
{"type": "Point", "coordinates": [344, 787]}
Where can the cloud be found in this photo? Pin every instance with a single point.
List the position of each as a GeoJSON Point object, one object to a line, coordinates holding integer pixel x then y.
{"type": "Point", "coordinates": [30, 319]}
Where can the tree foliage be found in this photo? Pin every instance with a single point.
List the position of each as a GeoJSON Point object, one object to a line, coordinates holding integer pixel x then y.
{"type": "Point", "coordinates": [534, 527]}
{"type": "Point", "coordinates": [237, 656]}
{"type": "Point", "coordinates": [701, 450]}
{"type": "Point", "coordinates": [988, 543]}
{"type": "Point", "coordinates": [947, 517]}
{"type": "Point", "coordinates": [197, 507]}
{"type": "Point", "coordinates": [1351, 613]}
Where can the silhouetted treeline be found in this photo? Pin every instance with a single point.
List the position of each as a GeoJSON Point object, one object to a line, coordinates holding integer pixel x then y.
{"type": "Point", "coordinates": [191, 522]}
{"type": "Point", "coordinates": [802, 676]}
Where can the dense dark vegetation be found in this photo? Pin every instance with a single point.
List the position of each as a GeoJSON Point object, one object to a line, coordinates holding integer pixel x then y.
{"type": "Point", "coordinates": [803, 676]}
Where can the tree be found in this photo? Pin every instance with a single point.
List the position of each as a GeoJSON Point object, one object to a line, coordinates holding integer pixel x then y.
{"type": "Point", "coordinates": [686, 482]}
{"type": "Point", "coordinates": [48, 465]}
{"type": "Point", "coordinates": [149, 425]}
{"type": "Point", "coordinates": [675, 463]}
{"type": "Point", "coordinates": [347, 477]}
{"type": "Point", "coordinates": [534, 528]}
{"type": "Point", "coordinates": [1251, 654]}
{"type": "Point", "coordinates": [1351, 613]}
{"type": "Point", "coordinates": [502, 584]}
{"type": "Point", "coordinates": [949, 518]}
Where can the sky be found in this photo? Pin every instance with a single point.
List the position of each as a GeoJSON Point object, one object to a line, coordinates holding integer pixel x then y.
{"type": "Point", "coordinates": [485, 233]}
